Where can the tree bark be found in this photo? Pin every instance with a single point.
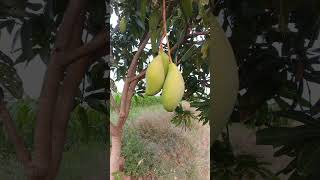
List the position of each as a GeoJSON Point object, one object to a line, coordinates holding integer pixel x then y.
{"type": "Point", "coordinates": [49, 93]}
{"type": "Point", "coordinates": [115, 154]}
{"type": "Point", "coordinates": [75, 73]}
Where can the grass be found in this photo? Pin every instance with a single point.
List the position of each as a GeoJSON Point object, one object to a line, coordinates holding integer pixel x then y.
{"type": "Point", "coordinates": [153, 146]}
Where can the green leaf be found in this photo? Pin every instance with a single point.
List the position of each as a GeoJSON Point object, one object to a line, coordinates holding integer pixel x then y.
{"type": "Point", "coordinates": [123, 25]}
{"type": "Point", "coordinates": [303, 102]}
{"type": "Point", "coordinates": [99, 95]}
{"type": "Point", "coordinates": [34, 6]}
{"type": "Point", "coordinates": [285, 136]}
{"type": "Point", "coordinates": [299, 116]}
{"type": "Point", "coordinates": [308, 159]}
{"type": "Point", "coordinates": [26, 43]}
{"type": "Point", "coordinates": [9, 78]}
{"type": "Point", "coordinates": [10, 27]}
{"type": "Point", "coordinates": [283, 104]}
{"type": "Point", "coordinates": [44, 55]}
{"type": "Point", "coordinates": [154, 41]}
{"type": "Point", "coordinates": [15, 38]}
{"type": "Point", "coordinates": [153, 27]}
{"type": "Point", "coordinates": [6, 23]}
{"type": "Point", "coordinates": [97, 105]}
{"type": "Point", "coordinates": [186, 6]}
{"type": "Point", "coordinates": [83, 117]}
{"type": "Point", "coordinates": [140, 23]}
{"type": "Point", "coordinates": [204, 2]}
{"type": "Point", "coordinates": [190, 52]}
{"type": "Point", "coordinates": [6, 59]}
{"type": "Point", "coordinates": [312, 78]}
{"type": "Point", "coordinates": [143, 9]}
{"type": "Point", "coordinates": [296, 176]}
{"type": "Point", "coordinates": [283, 151]}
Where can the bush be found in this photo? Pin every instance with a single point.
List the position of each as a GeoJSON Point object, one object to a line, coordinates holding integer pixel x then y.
{"type": "Point", "coordinates": [164, 149]}
{"type": "Point", "coordinates": [140, 100]}
{"type": "Point", "coordinates": [85, 125]}
{"type": "Point", "coordinates": [139, 156]}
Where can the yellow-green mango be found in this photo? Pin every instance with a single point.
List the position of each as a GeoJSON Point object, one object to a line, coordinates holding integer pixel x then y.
{"type": "Point", "coordinates": [173, 88]}
{"type": "Point", "coordinates": [123, 25]}
{"type": "Point", "coordinates": [155, 76]}
{"type": "Point", "coordinates": [165, 60]}
{"type": "Point", "coordinates": [224, 77]}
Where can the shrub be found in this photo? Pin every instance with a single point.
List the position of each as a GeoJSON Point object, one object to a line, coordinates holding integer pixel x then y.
{"type": "Point", "coordinates": [139, 156]}
{"type": "Point", "coordinates": [85, 125]}
{"type": "Point", "coordinates": [165, 150]}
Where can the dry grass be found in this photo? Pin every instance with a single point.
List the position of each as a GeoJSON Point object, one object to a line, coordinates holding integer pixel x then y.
{"type": "Point", "coordinates": [183, 154]}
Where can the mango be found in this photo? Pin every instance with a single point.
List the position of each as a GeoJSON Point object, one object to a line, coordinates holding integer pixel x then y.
{"type": "Point", "coordinates": [155, 76]}
{"type": "Point", "coordinates": [173, 88]}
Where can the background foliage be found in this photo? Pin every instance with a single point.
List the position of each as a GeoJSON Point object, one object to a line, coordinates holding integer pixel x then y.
{"type": "Point", "coordinates": [275, 43]}
{"type": "Point", "coordinates": [86, 125]}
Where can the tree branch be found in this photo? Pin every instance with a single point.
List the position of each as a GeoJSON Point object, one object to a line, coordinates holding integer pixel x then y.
{"type": "Point", "coordinates": [131, 72]}
{"type": "Point", "coordinates": [114, 104]}
{"type": "Point", "coordinates": [23, 154]}
{"type": "Point", "coordinates": [140, 76]}
{"type": "Point", "coordinates": [98, 43]}
{"type": "Point", "coordinates": [181, 40]}
{"type": "Point", "coordinates": [130, 95]}
{"type": "Point", "coordinates": [49, 92]}
{"type": "Point", "coordinates": [65, 102]}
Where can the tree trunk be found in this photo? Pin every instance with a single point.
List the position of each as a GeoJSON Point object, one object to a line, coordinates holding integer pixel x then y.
{"type": "Point", "coordinates": [115, 154]}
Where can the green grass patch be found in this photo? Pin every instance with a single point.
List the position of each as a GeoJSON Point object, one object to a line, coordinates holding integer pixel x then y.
{"type": "Point", "coordinates": [141, 101]}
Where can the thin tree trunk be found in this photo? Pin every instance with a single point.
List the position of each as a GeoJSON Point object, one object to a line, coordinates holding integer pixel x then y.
{"type": "Point", "coordinates": [115, 154]}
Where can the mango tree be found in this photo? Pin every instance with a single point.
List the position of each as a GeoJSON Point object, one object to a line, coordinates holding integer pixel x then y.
{"type": "Point", "coordinates": [174, 31]}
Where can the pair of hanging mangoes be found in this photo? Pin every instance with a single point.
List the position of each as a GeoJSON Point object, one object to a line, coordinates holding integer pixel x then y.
{"type": "Point", "coordinates": [164, 74]}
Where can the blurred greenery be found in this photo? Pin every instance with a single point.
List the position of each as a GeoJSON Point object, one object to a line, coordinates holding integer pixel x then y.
{"type": "Point", "coordinates": [86, 125]}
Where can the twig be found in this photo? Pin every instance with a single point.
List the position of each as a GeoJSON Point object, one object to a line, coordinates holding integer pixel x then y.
{"type": "Point", "coordinates": [181, 40]}
{"type": "Point", "coordinates": [164, 17]}
{"type": "Point", "coordinates": [139, 76]}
